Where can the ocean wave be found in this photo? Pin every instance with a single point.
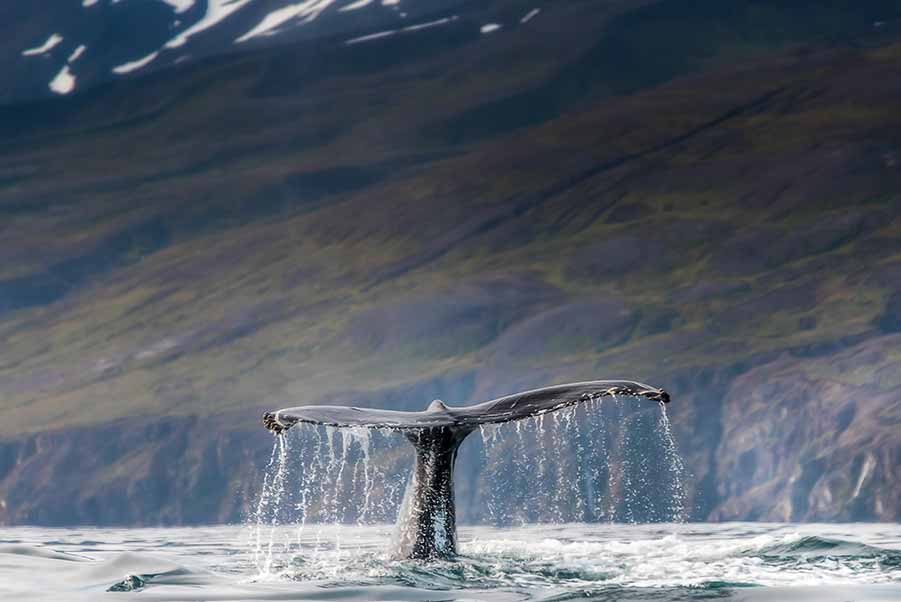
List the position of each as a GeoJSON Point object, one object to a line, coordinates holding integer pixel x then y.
{"type": "Point", "coordinates": [535, 562]}
{"type": "Point", "coordinates": [812, 546]}
{"type": "Point", "coordinates": [669, 561]}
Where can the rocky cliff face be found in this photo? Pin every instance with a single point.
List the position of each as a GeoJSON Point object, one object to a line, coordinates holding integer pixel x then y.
{"type": "Point", "coordinates": [793, 445]}
{"type": "Point", "coordinates": [813, 439]}
{"type": "Point", "coordinates": [366, 224]}
{"type": "Point", "coordinates": [159, 471]}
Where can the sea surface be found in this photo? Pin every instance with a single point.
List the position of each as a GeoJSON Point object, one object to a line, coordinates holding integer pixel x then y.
{"type": "Point", "coordinates": [734, 561]}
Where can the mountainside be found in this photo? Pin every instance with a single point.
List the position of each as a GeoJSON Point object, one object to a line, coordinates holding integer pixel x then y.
{"type": "Point", "coordinates": [604, 190]}
{"type": "Point", "coordinates": [81, 43]}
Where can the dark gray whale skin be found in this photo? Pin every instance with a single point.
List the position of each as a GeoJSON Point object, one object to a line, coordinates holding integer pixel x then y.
{"type": "Point", "coordinates": [427, 523]}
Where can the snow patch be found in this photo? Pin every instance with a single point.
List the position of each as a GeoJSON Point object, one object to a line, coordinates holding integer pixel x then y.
{"type": "Point", "coordinates": [180, 6]}
{"type": "Point", "coordinates": [64, 82]}
{"type": "Point", "coordinates": [390, 2]}
{"type": "Point", "coordinates": [47, 46]}
{"type": "Point", "coordinates": [530, 15]}
{"type": "Point", "coordinates": [429, 24]}
{"type": "Point", "coordinates": [355, 5]}
{"type": "Point", "coordinates": [307, 11]}
{"type": "Point", "coordinates": [88, 3]}
{"type": "Point", "coordinates": [391, 32]}
{"type": "Point", "coordinates": [216, 11]}
{"type": "Point", "coordinates": [135, 65]}
{"type": "Point", "coordinates": [490, 27]}
{"type": "Point", "coordinates": [372, 36]}
{"type": "Point", "coordinates": [76, 54]}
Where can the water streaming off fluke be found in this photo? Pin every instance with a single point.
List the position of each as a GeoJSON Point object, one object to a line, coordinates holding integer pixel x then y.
{"type": "Point", "coordinates": [604, 460]}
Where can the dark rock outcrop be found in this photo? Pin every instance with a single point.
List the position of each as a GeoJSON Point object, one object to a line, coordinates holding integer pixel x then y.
{"type": "Point", "coordinates": [141, 471]}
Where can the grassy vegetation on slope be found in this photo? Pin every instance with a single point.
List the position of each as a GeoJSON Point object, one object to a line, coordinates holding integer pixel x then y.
{"type": "Point", "coordinates": [203, 243]}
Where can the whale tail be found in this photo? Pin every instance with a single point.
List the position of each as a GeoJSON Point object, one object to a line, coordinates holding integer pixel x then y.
{"type": "Point", "coordinates": [427, 522]}
{"type": "Point", "coordinates": [503, 409]}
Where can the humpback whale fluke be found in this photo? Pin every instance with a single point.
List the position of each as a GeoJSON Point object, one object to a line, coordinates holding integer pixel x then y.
{"type": "Point", "coordinates": [427, 523]}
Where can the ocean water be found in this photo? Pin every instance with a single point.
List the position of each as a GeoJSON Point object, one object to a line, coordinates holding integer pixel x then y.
{"type": "Point", "coordinates": [321, 530]}
{"type": "Point", "coordinates": [553, 562]}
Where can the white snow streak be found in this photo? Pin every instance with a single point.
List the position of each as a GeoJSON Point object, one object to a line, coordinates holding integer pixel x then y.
{"type": "Point", "coordinates": [372, 36]}
{"type": "Point", "coordinates": [308, 11]}
{"type": "Point", "coordinates": [87, 3]}
{"type": "Point", "coordinates": [134, 65]}
{"type": "Point", "coordinates": [490, 27]}
{"type": "Point", "coordinates": [216, 11]}
{"type": "Point", "coordinates": [76, 54]}
{"type": "Point", "coordinates": [530, 15]}
{"type": "Point", "coordinates": [391, 32]}
{"type": "Point", "coordinates": [355, 5]}
{"type": "Point", "coordinates": [180, 6]}
{"type": "Point", "coordinates": [47, 46]}
{"type": "Point", "coordinates": [429, 24]}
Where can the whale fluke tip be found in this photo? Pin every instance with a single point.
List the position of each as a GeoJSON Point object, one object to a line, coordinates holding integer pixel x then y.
{"type": "Point", "coordinates": [273, 424]}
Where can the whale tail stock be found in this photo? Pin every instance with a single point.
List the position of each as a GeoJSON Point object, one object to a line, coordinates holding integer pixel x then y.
{"type": "Point", "coordinates": [427, 523]}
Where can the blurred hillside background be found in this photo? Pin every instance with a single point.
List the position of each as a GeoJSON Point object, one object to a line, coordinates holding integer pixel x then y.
{"type": "Point", "coordinates": [456, 200]}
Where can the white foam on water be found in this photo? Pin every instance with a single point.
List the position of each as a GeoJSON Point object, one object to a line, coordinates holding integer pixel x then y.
{"type": "Point", "coordinates": [536, 562]}
{"type": "Point", "coordinates": [672, 560]}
